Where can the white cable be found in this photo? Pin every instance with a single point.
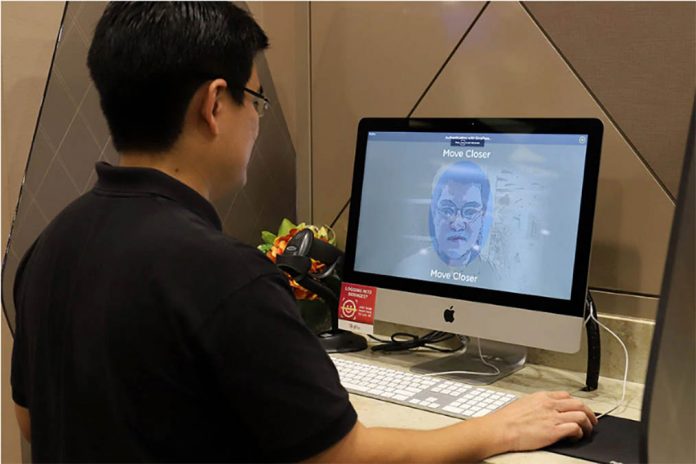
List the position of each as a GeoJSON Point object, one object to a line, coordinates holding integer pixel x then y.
{"type": "Point", "coordinates": [497, 371]}
{"type": "Point", "coordinates": [625, 380]}
{"type": "Point", "coordinates": [587, 319]}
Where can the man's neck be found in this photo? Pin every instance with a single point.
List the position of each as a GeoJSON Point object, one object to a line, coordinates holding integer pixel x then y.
{"type": "Point", "coordinates": [171, 164]}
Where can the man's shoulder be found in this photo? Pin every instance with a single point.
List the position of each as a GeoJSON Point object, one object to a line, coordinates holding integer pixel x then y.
{"type": "Point", "coordinates": [161, 232]}
{"type": "Point", "coordinates": [216, 247]}
{"type": "Point", "coordinates": [202, 246]}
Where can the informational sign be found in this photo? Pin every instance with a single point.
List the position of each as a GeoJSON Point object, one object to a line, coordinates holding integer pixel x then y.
{"type": "Point", "coordinates": [356, 308]}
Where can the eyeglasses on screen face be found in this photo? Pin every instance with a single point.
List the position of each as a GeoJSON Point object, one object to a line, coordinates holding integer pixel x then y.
{"type": "Point", "coordinates": [449, 212]}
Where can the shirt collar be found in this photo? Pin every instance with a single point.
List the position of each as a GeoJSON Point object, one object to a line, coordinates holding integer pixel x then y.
{"type": "Point", "coordinates": [149, 181]}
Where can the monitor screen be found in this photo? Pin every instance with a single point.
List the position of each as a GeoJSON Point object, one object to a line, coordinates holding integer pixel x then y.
{"type": "Point", "coordinates": [497, 211]}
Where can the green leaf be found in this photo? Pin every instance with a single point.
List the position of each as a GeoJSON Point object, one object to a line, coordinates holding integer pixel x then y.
{"type": "Point", "coordinates": [328, 234]}
{"type": "Point", "coordinates": [264, 248]}
{"type": "Point", "coordinates": [268, 237]}
{"type": "Point", "coordinates": [285, 227]}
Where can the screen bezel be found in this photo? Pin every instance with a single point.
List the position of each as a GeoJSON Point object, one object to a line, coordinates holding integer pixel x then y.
{"type": "Point", "coordinates": [593, 128]}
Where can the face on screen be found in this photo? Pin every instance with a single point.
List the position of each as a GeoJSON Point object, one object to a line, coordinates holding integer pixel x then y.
{"type": "Point", "coordinates": [457, 220]}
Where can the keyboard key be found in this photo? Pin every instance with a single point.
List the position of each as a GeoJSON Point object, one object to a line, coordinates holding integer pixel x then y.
{"type": "Point", "coordinates": [356, 387]}
{"type": "Point", "coordinates": [482, 412]}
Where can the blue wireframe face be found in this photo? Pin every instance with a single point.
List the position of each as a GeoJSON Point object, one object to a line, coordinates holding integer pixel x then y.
{"type": "Point", "coordinates": [457, 212]}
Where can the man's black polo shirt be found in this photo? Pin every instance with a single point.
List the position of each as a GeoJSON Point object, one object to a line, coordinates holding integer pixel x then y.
{"type": "Point", "coordinates": [145, 334]}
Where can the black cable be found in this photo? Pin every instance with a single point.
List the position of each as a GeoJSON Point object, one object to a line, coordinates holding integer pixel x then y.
{"type": "Point", "coordinates": [410, 341]}
{"type": "Point", "coordinates": [333, 223]}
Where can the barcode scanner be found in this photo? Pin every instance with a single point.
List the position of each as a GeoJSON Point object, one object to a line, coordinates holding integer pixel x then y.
{"type": "Point", "coordinates": [296, 260]}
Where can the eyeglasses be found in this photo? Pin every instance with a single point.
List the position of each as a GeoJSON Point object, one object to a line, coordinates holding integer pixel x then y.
{"type": "Point", "coordinates": [468, 213]}
{"type": "Point", "coordinates": [260, 101]}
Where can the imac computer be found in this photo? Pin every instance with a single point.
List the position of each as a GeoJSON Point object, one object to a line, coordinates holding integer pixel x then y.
{"type": "Point", "coordinates": [478, 227]}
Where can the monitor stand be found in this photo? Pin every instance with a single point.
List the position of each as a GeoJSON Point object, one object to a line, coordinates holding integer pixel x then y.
{"type": "Point", "coordinates": [506, 357]}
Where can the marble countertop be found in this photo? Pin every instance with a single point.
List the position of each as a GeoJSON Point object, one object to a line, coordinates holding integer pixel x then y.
{"type": "Point", "coordinates": [532, 378]}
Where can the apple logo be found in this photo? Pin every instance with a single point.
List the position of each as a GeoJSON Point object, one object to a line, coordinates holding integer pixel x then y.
{"type": "Point", "coordinates": [449, 314]}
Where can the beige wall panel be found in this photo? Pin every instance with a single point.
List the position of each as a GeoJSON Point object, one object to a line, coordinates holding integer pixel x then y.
{"type": "Point", "coordinates": [637, 336]}
{"type": "Point", "coordinates": [287, 27]}
{"type": "Point", "coordinates": [631, 317]}
{"type": "Point", "coordinates": [29, 31]}
{"type": "Point", "coordinates": [617, 304]}
{"type": "Point", "coordinates": [639, 59]}
{"type": "Point", "coordinates": [518, 73]}
{"type": "Point", "coordinates": [370, 59]}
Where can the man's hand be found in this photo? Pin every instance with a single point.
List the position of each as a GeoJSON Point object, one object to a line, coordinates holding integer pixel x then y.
{"type": "Point", "coordinates": [541, 419]}
{"type": "Point", "coordinates": [533, 422]}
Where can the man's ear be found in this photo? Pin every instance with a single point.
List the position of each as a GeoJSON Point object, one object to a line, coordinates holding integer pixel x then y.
{"type": "Point", "coordinates": [211, 104]}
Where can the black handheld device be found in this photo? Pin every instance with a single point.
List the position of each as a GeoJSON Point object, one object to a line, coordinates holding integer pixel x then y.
{"type": "Point", "coordinates": [296, 260]}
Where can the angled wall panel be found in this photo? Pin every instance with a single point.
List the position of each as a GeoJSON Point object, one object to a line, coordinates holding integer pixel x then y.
{"type": "Point", "coordinates": [287, 27]}
{"type": "Point", "coordinates": [370, 59]}
{"type": "Point", "coordinates": [642, 69]}
{"type": "Point", "coordinates": [506, 67]}
{"type": "Point", "coordinates": [29, 31]}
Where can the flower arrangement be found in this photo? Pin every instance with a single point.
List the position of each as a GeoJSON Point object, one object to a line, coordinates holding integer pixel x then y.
{"type": "Point", "coordinates": [274, 245]}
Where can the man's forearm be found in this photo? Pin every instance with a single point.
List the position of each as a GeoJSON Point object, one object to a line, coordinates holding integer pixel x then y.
{"type": "Point", "coordinates": [469, 441]}
{"type": "Point", "coordinates": [532, 422]}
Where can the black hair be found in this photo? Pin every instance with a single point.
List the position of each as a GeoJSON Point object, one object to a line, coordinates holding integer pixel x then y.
{"type": "Point", "coordinates": [147, 59]}
{"type": "Point", "coordinates": [463, 172]}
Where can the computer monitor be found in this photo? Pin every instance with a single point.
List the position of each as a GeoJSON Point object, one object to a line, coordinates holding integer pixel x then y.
{"type": "Point", "coordinates": [480, 227]}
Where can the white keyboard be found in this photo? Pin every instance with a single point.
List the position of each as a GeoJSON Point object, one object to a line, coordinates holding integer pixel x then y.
{"type": "Point", "coordinates": [430, 393]}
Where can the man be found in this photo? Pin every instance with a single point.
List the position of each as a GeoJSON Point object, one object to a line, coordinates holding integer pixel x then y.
{"type": "Point", "coordinates": [145, 334]}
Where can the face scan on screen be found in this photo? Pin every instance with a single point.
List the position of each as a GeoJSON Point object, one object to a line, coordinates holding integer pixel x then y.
{"type": "Point", "coordinates": [495, 211]}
